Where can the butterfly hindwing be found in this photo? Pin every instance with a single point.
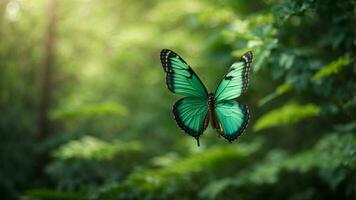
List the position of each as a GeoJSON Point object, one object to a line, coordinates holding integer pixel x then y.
{"type": "Point", "coordinates": [232, 119]}
{"type": "Point", "coordinates": [180, 78]}
{"type": "Point", "coordinates": [235, 82]}
{"type": "Point", "coordinates": [192, 115]}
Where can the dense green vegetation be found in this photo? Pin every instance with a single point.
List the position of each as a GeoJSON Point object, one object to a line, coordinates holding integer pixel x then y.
{"type": "Point", "coordinates": [85, 112]}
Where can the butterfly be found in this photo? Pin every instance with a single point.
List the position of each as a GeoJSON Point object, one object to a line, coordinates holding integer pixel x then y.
{"type": "Point", "coordinates": [193, 112]}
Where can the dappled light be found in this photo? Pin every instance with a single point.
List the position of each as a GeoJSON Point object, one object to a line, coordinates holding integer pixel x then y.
{"type": "Point", "coordinates": [85, 112]}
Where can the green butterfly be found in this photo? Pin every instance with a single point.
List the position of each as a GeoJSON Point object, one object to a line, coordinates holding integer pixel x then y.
{"type": "Point", "coordinates": [192, 113]}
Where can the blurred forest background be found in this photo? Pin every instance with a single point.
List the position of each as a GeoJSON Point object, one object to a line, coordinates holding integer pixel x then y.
{"type": "Point", "coordinates": [85, 112]}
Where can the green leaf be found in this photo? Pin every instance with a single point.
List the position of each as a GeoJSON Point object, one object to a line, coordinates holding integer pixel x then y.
{"type": "Point", "coordinates": [288, 114]}
{"type": "Point", "coordinates": [333, 68]}
{"type": "Point", "coordinates": [286, 60]}
{"type": "Point", "coordinates": [281, 89]}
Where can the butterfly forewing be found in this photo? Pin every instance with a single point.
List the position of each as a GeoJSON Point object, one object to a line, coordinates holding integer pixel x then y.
{"type": "Point", "coordinates": [235, 82]}
{"type": "Point", "coordinates": [180, 78]}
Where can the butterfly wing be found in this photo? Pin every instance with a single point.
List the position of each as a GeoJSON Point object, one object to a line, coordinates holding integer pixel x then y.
{"type": "Point", "coordinates": [235, 82]}
{"type": "Point", "coordinates": [232, 118]}
{"type": "Point", "coordinates": [191, 115]}
{"type": "Point", "coordinates": [180, 78]}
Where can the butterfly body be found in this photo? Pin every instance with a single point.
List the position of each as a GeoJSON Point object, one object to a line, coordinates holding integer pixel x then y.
{"type": "Point", "coordinates": [193, 112]}
{"type": "Point", "coordinates": [214, 120]}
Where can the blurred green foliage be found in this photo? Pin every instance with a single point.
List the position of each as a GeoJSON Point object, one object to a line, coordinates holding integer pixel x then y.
{"type": "Point", "coordinates": [92, 148]}
{"type": "Point", "coordinates": [95, 110]}
{"type": "Point", "coordinates": [111, 132]}
{"type": "Point", "coordinates": [287, 115]}
{"type": "Point", "coordinates": [332, 68]}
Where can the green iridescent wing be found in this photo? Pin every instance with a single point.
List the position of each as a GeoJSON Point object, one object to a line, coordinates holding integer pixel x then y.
{"type": "Point", "coordinates": [191, 112]}
{"type": "Point", "coordinates": [192, 115]}
{"type": "Point", "coordinates": [235, 82]}
{"type": "Point", "coordinates": [180, 78]}
{"type": "Point", "coordinates": [232, 118]}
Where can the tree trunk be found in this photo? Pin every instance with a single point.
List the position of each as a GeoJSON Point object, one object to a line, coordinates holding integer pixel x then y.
{"type": "Point", "coordinates": [45, 79]}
